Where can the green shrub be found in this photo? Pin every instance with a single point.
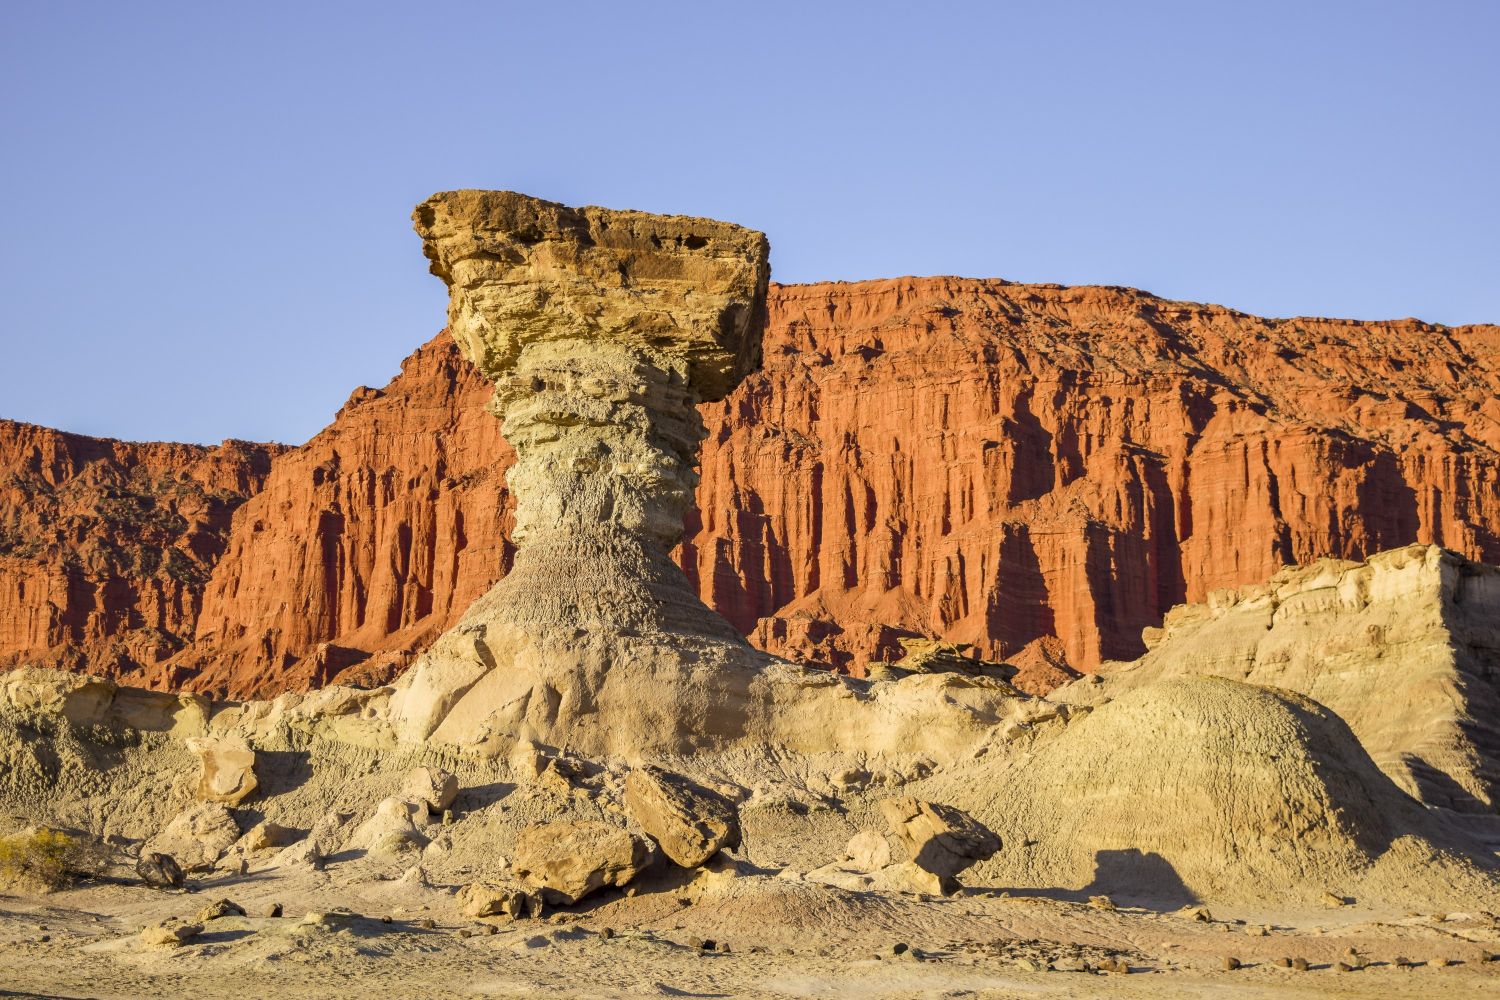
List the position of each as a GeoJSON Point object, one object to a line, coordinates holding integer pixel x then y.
{"type": "Point", "coordinates": [45, 859]}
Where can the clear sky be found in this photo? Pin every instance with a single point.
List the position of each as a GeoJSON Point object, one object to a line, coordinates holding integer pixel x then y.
{"type": "Point", "coordinates": [206, 204]}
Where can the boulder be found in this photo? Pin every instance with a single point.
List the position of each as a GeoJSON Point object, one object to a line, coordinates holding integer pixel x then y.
{"type": "Point", "coordinates": [568, 861]}
{"type": "Point", "coordinates": [226, 769]}
{"type": "Point", "coordinates": [867, 851]}
{"type": "Point", "coordinates": [941, 839]}
{"type": "Point", "coordinates": [196, 837]}
{"type": "Point", "coordinates": [907, 876]}
{"type": "Point", "coordinates": [689, 822]}
{"type": "Point", "coordinates": [219, 909]}
{"type": "Point", "coordinates": [479, 899]}
{"type": "Point", "coordinates": [393, 826]}
{"type": "Point", "coordinates": [432, 786]}
{"type": "Point", "coordinates": [170, 935]}
{"type": "Point", "coordinates": [265, 836]}
{"type": "Point", "coordinates": [159, 870]}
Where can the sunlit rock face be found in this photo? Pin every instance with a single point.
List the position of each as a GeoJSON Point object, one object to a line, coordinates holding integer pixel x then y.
{"type": "Point", "coordinates": [602, 331]}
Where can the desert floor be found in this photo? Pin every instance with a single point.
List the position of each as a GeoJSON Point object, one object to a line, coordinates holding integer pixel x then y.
{"type": "Point", "coordinates": [344, 932]}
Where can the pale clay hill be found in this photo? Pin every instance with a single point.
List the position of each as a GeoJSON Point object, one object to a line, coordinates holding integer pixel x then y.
{"type": "Point", "coordinates": [592, 785]}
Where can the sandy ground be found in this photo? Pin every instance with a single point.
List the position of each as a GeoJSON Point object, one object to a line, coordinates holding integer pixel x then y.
{"type": "Point", "coordinates": [786, 938]}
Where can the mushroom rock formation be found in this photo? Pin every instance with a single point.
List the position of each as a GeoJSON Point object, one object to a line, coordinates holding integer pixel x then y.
{"type": "Point", "coordinates": [602, 331]}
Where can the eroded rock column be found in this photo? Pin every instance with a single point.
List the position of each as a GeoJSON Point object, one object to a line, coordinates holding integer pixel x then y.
{"type": "Point", "coordinates": [602, 330]}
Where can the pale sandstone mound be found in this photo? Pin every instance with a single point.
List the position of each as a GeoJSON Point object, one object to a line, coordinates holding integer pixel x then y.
{"type": "Point", "coordinates": [1204, 788]}
{"type": "Point", "coordinates": [1402, 647]}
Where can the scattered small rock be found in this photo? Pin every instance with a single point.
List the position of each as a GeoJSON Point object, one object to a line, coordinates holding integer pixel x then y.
{"type": "Point", "coordinates": [1299, 965]}
{"type": "Point", "coordinates": [1231, 963]}
{"type": "Point", "coordinates": [1102, 903]}
{"type": "Point", "coordinates": [170, 935]}
{"type": "Point", "coordinates": [275, 910]}
{"type": "Point", "coordinates": [218, 910]}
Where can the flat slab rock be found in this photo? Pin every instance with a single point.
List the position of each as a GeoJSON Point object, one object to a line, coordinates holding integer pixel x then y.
{"type": "Point", "coordinates": [690, 823]}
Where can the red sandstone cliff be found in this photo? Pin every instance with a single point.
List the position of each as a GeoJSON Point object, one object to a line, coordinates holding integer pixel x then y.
{"type": "Point", "coordinates": [106, 546]}
{"type": "Point", "coordinates": [1039, 470]}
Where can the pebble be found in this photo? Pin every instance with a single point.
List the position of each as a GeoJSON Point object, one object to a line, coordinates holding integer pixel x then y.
{"type": "Point", "coordinates": [1231, 963]}
{"type": "Point", "coordinates": [1299, 965]}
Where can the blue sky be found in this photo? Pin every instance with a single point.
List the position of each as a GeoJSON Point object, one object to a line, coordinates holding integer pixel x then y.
{"type": "Point", "coordinates": [207, 204]}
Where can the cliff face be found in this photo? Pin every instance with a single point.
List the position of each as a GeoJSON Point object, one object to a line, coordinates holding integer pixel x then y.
{"type": "Point", "coordinates": [1041, 471]}
{"type": "Point", "coordinates": [366, 542]}
{"type": "Point", "coordinates": [105, 546]}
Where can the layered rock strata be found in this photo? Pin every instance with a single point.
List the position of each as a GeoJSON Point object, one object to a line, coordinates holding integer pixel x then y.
{"type": "Point", "coordinates": [106, 547]}
{"type": "Point", "coordinates": [1041, 471]}
{"type": "Point", "coordinates": [602, 331]}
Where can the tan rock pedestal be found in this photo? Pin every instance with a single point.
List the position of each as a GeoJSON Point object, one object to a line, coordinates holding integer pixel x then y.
{"type": "Point", "coordinates": [603, 330]}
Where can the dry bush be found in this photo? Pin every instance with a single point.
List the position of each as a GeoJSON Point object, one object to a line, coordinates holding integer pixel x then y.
{"type": "Point", "coordinates": [45, 859]}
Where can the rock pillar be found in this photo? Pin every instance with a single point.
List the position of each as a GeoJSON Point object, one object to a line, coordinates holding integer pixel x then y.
{"type": "Point", "coordinates": [603, 330]}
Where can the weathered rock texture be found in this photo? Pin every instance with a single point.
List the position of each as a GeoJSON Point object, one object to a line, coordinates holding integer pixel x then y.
{"type": "Point", "coordinates": [1041, 471]}
{"type": "Point", "coordinates": [106, 547]}
{"type": "Point", "coordinates": [603, 330]}
{"type": "Point", "coordinates": [366, 543]}
{"type": "Point", "coordinates": [1402, 647]}
{"type": "Point", "coordinates": [1187, 788]}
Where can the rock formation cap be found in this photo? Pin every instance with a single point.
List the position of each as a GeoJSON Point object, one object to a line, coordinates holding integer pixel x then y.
{"type": "Point", "coordinates": [521, 270]}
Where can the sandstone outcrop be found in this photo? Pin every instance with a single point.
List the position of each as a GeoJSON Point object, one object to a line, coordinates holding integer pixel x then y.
{"type": "Point", "coordinates": [567, 861]}
{"type": "Point", "coordinates": [1401, 647]}
{"type": "Point", "coordinates": [867, 851]}
{"type": "Point", "coordinates": [160, 871]}
{"type": "Point", "coordinates": [690, 824]}
{"type": "Point", "coordinates": [170, 935]}
{"type": "Point", "coordinates": [366, 543]}
{"type": "Point", "coordinates": [602, 331]}
{"type": "Point", "coordinates": [393, 827]}
{"type": "Point", "coordinates": [432, 786]}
